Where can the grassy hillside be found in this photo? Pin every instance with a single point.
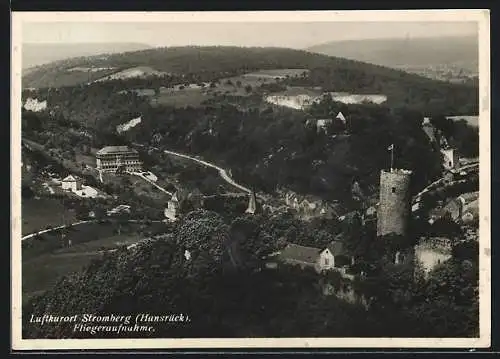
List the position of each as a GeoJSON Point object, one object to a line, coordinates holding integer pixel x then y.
{"type": "Point", "coordinates": [410, 52]}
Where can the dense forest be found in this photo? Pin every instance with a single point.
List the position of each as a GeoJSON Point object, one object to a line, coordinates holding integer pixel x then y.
{"type": "Point", "coordinates": [274, 148]}
{"type": "Point", "coordinates": [222, 277]}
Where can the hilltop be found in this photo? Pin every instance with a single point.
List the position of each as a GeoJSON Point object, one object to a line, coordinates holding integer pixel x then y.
{"type": "Point", "coordinates": [187, 65]}
{"type": "Point", "coordinates": [40, 54]}
{"type": "Point", "coordinates": [211, 62]}
{"type": "Point", "coordinates": [412, 52]}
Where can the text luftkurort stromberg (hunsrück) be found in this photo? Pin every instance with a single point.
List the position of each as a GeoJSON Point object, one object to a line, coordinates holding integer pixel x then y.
{"type": "Point", "coordinates": [93, 324]}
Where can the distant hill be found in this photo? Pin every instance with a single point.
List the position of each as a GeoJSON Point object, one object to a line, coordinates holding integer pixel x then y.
{"type": "Point", "coordinates": [412, 52]}
{"type": "Point", "coordinates": [215, 62]}
{"type": "Point", "coordinates": [39, 54]}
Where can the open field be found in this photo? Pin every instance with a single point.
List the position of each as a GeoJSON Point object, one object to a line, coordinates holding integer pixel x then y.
{"type": "Point", "coordinates": [280, 73]}
{"type": "Point", "coordinates": [83, 233]}
{"type": "Point", "coordinates": [39, 213]}
{"type": "Point", "coordinates": [195, 95]}
{"type": "Point", "coordinates": [49, 242]}
{"type": "Point", "coordinates": [46, 260]}
{"type": "Point", "coordinates": [181, 98]}
{"type": "Point", "coordinates": [139, 71]}
{"type": "Point", "coordinates": [43, 271]}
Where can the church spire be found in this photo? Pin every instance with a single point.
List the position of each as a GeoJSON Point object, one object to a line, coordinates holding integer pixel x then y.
{"type": "Point", "coordinates": [252, 204]}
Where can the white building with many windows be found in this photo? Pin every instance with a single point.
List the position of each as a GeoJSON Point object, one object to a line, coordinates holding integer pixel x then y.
{"type": "Point", "coordinates": [111, 158]}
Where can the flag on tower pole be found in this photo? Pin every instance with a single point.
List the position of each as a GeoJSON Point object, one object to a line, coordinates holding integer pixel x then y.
{"type": "Point", "coordinates": [391, 148]}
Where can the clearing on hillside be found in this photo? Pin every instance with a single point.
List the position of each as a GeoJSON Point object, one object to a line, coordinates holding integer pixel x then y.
{"type": "Point", "coordinates": [139, 71]}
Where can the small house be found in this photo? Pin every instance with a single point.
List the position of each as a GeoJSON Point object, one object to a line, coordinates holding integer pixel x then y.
{"type": "Point", "coordinates": [71, 183]}
{"type": "Point", "coordinates": [333, 257]}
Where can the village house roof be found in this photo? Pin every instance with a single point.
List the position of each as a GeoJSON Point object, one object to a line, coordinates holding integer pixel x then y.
{"type": "Point", "coordinates": [336, 248]}
{"type": "Point", "coordinates": [69, 178]}
{"type": "Point", "coordinates": [115, 149]}
{"type": "Point", "coordinates": [304, 254]}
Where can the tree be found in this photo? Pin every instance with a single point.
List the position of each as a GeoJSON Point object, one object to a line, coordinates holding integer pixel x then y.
{"type": "Point", "coordinates": [451, 306]}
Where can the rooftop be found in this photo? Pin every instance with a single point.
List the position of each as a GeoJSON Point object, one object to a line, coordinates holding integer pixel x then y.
{"type": "Point", "coordinates": [336, 248]}
{"type": "Point", "coordinates": [300, 253]}
{"type": "Point", "coordinates": [115, 149]}
{"type": "Point", "coordinates": [69, 178]}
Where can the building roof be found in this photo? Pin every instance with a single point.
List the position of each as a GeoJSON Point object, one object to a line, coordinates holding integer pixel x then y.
{"type": "Point", "coordinates": [341, 116]}
{"type": "Point", "coordinates": [69, 178]}
{"type": "Point", "coordinates": [300, 253]}
{"type": "Point", "coordinates": [115, 149]}
{"type": "Point", "coordinates": [336, 248]}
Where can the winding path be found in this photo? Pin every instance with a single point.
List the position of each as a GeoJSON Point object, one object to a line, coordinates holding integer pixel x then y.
{"type": "Point", "coordinates": [138, 174]}
{"type": "Point", "coordinates": [222, 172]}
{"type": "Point", "coordinates": [438, 181]}
{"type": "Point", "coordinates": [34, 234]}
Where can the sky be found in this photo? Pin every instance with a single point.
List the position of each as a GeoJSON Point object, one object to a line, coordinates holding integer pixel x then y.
{"type": "Point", "coordinates": [283, 34]}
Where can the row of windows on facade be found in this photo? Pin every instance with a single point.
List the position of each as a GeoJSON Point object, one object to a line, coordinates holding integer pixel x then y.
{"type": "Point", "coordinates": [118, 159]}
{"type": "Point", "coordinates": [120, 162]}
{"type": "Point", "coordinates": [129, 168]}
{"type": "Point", "coordinates": [110, 155]}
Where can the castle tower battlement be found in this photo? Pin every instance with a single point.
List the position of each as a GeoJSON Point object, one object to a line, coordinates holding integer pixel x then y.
{"type": "Point", "coordinates": [395, 202]}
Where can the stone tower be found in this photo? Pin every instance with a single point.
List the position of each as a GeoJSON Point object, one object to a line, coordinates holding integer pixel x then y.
{"type": "Point", "coordinates": [450, 158]}
{"type": "Point", "coordinates": [395, 202]}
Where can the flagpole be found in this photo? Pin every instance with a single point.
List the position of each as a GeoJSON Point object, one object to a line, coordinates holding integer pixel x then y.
{"type": "Point", "coordinates": [392, 157]}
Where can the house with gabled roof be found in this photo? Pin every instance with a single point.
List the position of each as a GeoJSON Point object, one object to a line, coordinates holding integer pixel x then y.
{"type": "Point", "coordinates": [333, 257]}
{"type": "Point", "coordinates": [71, 183]}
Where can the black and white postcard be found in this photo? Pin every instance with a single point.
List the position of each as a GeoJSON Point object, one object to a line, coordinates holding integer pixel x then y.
{"type": "Point", "coordinates": [251, 179]}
